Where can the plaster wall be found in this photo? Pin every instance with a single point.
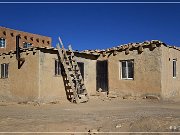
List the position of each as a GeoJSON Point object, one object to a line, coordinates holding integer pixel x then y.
{"type": "Point", "coordinates": [51, 86]}
{"type": "Point", "coordinates": [170, 85]}
{"type": "Point", "coordinates": [147, 73]}
{"type": "Point", "coordinates": [21, 84]}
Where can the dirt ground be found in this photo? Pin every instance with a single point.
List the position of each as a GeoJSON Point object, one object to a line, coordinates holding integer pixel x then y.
{"type": "Point", "coordinates": [103, 116]}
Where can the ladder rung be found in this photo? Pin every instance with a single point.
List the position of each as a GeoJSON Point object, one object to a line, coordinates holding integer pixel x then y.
{"type": "Point", "coordinates": [74, 81]}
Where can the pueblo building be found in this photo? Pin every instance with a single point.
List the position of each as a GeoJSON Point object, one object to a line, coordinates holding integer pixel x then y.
{"type": "Point", "coordinates": [31, 69]}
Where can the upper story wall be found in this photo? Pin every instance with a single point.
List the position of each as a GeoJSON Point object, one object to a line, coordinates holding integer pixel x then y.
{"type": "Point", "coordinates": [10, 39]}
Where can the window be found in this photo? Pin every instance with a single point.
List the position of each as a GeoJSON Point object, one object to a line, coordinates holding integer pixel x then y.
{"type": "Point", "coordinates": [2, 42]}
{"type": "Point", "coordinates": [127, 69]}
{"type": "Point", "coordinates": [4, 70]}
{"type": "Point", "coordinates": [57, 67]}
{"type": "Point", "coordinates": [174, 68]}
{"type": "Point", "coordinates": [81, 68]}
{"type": "Point", "coordinates": [26, 45]}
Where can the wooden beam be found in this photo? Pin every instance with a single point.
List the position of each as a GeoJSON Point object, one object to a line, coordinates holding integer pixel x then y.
{"type": "Point", "coordinates": [4, 55]}
{"type": "Point", "coordinates": [115, 53]}
{"type": "Point", "coordinates": [140, 49]}
{"type": "Point", "coordinates": [153, 45]}
{"type": "Point", "coordinates": [27, 52]}
{"type": "Point", "coordinates": [11, 54]}
{"type": "Point", "coordinates": [127, 51]}
{"type": "Point", "coordinates": [104, 54]}
{"type": "Point", "coordinates": [34, 50]}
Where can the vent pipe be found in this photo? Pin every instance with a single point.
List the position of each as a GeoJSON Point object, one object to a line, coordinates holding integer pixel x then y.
{"type": "Point", "coordinates": [17, 47]}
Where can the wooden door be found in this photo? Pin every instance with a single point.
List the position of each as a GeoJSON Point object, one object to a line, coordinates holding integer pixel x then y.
{"type": "Point", "coordinates": [102, 75]}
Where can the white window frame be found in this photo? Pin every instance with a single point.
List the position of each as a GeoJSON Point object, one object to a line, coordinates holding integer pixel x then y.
{"type": "Point", "coordinates": [120, 63]}
{"type": "Point", "coordinates": [4, 43]}
{"type": "Point", "coordinates": [175, 68]}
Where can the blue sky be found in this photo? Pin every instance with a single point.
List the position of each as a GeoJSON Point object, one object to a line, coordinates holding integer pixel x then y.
{"type": "Point", "coordinates": [91, 26]}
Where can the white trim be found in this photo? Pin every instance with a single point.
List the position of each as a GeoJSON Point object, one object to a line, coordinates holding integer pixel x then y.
{"type": "Point", "coordinates": [126, 69]}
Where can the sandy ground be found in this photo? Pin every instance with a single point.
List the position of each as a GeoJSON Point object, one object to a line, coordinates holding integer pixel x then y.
{"type": "Point", "coordinates": [98, 115]}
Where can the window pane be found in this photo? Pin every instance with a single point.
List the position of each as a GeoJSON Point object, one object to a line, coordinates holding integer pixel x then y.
{"type": "Point", "coordinates": [81, 68]}
{"type": "Point", "coordinates": [2, 70]}
{"type": "Point", "coordinates": [26, 45]}
{"type": "Point", "coordinates": [124, 73]}
{"type": "Point", "coordinates": [6, 70]}
{"type": "Point", "coordinates": [2, 42]}
{"type": "Point", "coordinates": [59, 68]}
{"type": "Point", "coordinates": [55, 67]}
{"type": "Point", "coordinates": [174, 68]}
{"type": "Point", "coordinates": [130, 69]}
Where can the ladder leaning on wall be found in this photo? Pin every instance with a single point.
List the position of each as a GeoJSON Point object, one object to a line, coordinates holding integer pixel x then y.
{"type": "Point", "coordinates": [73, 74]}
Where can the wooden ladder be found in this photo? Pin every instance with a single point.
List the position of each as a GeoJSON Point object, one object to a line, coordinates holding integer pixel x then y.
{"type": "Point", "coordinates": [73, 74]}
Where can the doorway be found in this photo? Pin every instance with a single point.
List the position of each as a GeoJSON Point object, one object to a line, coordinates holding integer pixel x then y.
{"type": "Point", "coordinates": [102, 75]}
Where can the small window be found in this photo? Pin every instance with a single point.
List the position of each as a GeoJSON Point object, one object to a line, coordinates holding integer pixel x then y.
{"type": "Point", "coordinates": [127, 69]}
{"type": "Point", "coordinates": [2, 43]}
{"type": "Point", "coordinates": [26, 45]}
{"type": "Point", "coordinates": [57, 67]}
{"type": "Point", "coordinates": [174, 68]}
{"type": "Point", "coordinates": [4, 70]}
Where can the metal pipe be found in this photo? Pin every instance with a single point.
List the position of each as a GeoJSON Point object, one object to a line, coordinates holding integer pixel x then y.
{"type": "Point", "coordinates": [17, 47]}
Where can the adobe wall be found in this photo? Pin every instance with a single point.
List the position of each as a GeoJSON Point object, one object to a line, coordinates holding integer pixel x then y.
{"type": "Point", "coordinates": [22, 84]}
{"type": "Point", "coordinates": [170, 85]}
{"type": "Point", "coordinates": [147, 73]}
{"type": "Point", "coordinates": [10, 36]}
{"type": "Point", "coordinates": [51, 86]}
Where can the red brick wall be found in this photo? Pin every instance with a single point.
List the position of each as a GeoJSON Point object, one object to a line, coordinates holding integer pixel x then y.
{"type": "Point", "coordinates": [10, 36]}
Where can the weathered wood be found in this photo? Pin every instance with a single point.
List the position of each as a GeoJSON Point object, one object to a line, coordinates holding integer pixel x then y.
{"type": "Point", "coordinates": [153, 45]}
{"type": "Point", "coordinates": [34, 50]}
{"type": "Point", "coordinates": [67, 72]}
{"type": "Point", "coordinates": [127, 51]}
{"type": "Point", "coordinates": [140, 49]}
{"type": "Point", "coordinates": [27, 52]}
{"type": "Point", "coordinates": [73, 73]}
{"type": "Point", "coordinates": [78, 73]}
{"type": "Point", "coordinates": [115, 53]}
{"type": "Point", "coordinates": [11, 54]}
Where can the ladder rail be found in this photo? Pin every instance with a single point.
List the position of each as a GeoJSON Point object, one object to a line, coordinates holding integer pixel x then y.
{"type": "Point", "coordinates": [77, 66]}
{"type": "Point", "coordinates": [64, 51]}
{"type": "Point", "coordinates": [71, 63]}
{"type": "Point", "coordinates": [75, 96]}
{"type": "Point", "coordinates": [73, 73]}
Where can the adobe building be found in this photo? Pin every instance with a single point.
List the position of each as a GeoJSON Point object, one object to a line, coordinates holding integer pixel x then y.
{"type": "Point", "coordinates": [8, 39]}
{"type": "Point", "coordinates": [37, 76]}
{"type": "Point", "coordinates": [136, 69]}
